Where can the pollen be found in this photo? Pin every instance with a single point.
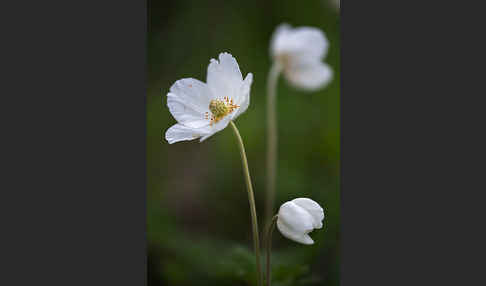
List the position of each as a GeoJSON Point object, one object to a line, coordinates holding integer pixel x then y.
{"type": "Point", "coordinates": [219, 109]}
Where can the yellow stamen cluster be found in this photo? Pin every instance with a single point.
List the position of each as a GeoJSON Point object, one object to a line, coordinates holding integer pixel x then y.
{"type": "Point", "coordinates": [219, 109]}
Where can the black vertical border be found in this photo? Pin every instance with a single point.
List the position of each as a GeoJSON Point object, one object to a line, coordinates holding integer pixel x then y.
{"type": "Point", "coordinates": [75, 179]}
{"type": "Point", "coordinates": [411, 153]}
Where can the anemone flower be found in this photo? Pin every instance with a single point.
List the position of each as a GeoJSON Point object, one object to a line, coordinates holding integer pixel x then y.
{"type": "Point", "coordinates": [299, 53]}
{"type": "Point", "coordinates": [202, 109]}
{"type": "Point", "coordinates": [295, 219]}
{"type": "Point", "coordinates": [298, 217]}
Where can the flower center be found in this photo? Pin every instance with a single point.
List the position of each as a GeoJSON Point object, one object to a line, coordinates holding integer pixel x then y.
{"type": "Point", "coordinates": [219, 109]}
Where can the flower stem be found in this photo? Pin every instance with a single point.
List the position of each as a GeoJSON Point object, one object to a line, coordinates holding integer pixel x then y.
{"type": "Point", "coordinates": [251, 199]}
{"type": "Point", "coordinates": [271, 227]}
{"type": "Point", "coordinates": [271, 140]}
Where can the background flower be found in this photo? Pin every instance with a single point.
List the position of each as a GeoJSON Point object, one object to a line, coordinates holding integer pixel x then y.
{"type": "Point", "coordinates": [300, 52]}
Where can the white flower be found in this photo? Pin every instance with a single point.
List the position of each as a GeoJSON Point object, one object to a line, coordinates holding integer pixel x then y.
{"type": "Point", "coordinates": [202, 109]}
{"type": "Point", "coordinates": [298, 217]}
{"type": "Point", "coordinates": [299, 51]}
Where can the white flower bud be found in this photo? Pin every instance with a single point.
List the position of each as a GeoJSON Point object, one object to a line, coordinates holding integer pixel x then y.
{"type": "Point", "coordinates": [298, 217]}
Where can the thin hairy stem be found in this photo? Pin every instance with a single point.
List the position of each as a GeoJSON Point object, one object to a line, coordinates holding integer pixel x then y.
{"type": "Point", "coordinates": [271, 140]}
{"type": "Point", "coordinates": [251, 199]}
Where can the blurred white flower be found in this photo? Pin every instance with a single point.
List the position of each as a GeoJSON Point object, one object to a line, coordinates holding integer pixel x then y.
{"type": "Point", "coordinates": [300, 51]}
{"type": "Point", "coordinates": [298, 217]}
{"type": "Point", "coordinates": [203, 109]}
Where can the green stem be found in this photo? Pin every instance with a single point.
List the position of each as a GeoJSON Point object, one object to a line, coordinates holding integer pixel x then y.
{"type": "Point", "coordinates": [251, 199]}
{"type": "Point", "coordinates": [271, 227]}
{"type": "Point", "coordinates": [271, 140]}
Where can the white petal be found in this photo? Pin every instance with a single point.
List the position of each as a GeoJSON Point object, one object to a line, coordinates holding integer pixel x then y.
{"type": "Point", "coordinates": [179, 132]}
{"type": "Point", "coordinates": [244, 98]}
{"type": "Point", "coordinates": [296, 218]}
{"type": "Point", "coordinates": [301, 41]}
{"type": "Point", "coordinates": [185, 113]}
{"type": "Point", "coordinates": [306, 239]}
{"type": "Point", "coordinates": [313, 208]}
{"type": "Point", "coordinates": [309, 76]}
{"type": "Point", "coordinates": [220, 125]}
{"type": "Point", "coordinates": [279, 37]}
{"type": "Point", "coordinates": [224, 77]}
{"type": "Point", "coordinates": [194, 94]}
{"type": "Point", "coordinates": [293, 235]}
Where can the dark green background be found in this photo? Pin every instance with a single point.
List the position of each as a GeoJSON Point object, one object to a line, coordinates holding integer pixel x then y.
{"type": "Point", "coordinates": [198, 220]}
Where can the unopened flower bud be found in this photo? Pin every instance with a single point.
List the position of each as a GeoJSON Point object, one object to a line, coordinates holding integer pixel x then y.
{"type": "Point", "coordinates": [298, 217]}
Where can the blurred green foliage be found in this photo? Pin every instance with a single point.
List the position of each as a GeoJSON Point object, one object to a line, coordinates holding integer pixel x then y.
{"type": "Point", "coordinates": [198, 220]}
